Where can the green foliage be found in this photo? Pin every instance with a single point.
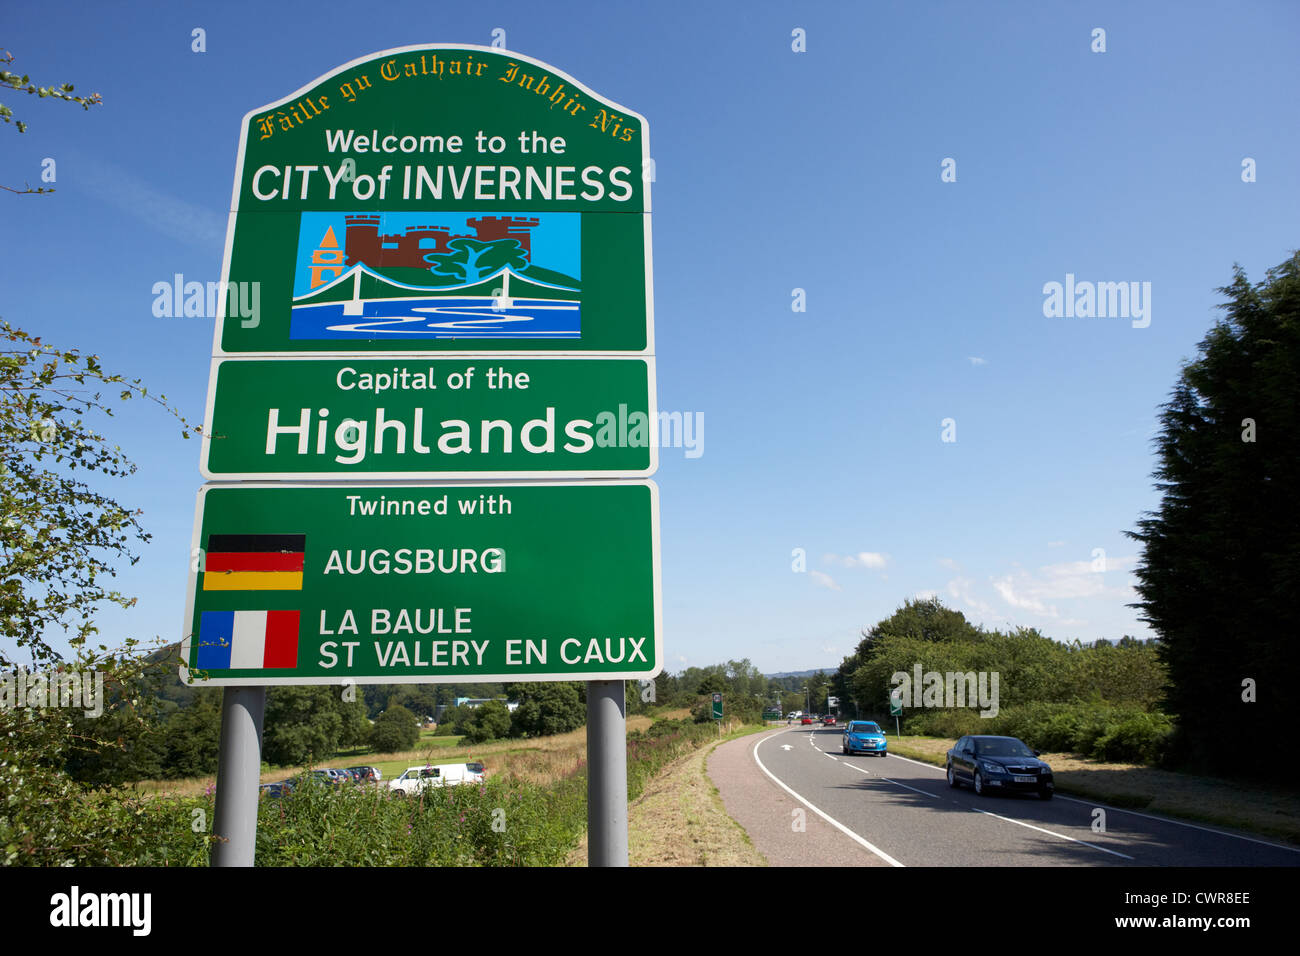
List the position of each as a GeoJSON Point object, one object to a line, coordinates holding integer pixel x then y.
{"type": "Point", "coordinates": [303, 723]}
{"type": "Point", "coordinates": [1220, 566]}
{"type": "Point", "coordinates": [192, 737]}
{"type": "Point", "coordinates": [548, 708]}
{"type": "Point", "coordinates": [59, 538]}
{"type": "Point", "coordinates": [395, 729]}
{"type": "Point", "coordinates": [24, 84]}
{"type": "Point", "coordinates": [454, 721]}
{"type": "Point", "coordinates": [488, 721]}
{"type": "Point", "coordinates": [1124, 733]}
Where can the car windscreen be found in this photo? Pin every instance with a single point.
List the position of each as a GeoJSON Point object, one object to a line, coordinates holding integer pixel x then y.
{"type": "Point", "coordinates": [1002, 747]}
{"type": "Point", "coordinates": [864, 729]}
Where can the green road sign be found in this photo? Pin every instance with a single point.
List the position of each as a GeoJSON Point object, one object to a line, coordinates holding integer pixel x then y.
{"type": "Point", "coordinates": [895, 704]}
{"type": "Point", "coordinates": [434, 417]}
{"type": "Point", "coordinates": [448, 583]}
{"type": "Point", "coordinates": [440, 199]}
{"type": "Point", "coordinates": [717, 706]}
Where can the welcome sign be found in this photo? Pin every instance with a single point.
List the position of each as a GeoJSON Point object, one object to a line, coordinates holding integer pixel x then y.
{"type": "Point", "coordinates": [441, 199]}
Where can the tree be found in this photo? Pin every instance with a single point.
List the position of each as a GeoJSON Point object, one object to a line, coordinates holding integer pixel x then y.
{"type": "Point", "coordinates": [60, 539]}
{"type": "Point", "coordinates": [394, 730]}
{"type": "Point", "coordinates": [547, 708]}
{"type": "Point", "coordinates": [491, 720]}
{"type": "Point", "coordinates": [302, 724]}
{"type": "Point", "coordinates": [472, 259]}
{"type": "Point", "coordinates": [1220, 563]}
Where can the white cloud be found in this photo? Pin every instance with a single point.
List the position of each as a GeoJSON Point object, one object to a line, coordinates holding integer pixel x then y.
{"type": "Point", "coordinates": [976, 360]}
{"type": "Point", "coordinates": [863, 559]}
{"type": "Point", "coordinates": [925, 595]}
{"type": "Point", "coordinates": [177, 218]}
{"type": "Point", "coordinates": [1055, 544]}
{"type": "Point", "coordinates": [825, 580]}
{"type": "Point", "coordinates": [950, 564]}
{"type": "Point", "coordinates": [963, 589]}
{"type": "Point", "coordinates": [1068, 580]}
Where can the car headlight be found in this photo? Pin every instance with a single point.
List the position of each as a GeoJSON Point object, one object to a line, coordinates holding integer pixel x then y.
{"type": "Point", "coordinates": [992, 768]}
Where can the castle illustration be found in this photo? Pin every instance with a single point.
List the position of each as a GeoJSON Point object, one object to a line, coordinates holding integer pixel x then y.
{"type": "Point", "coordinates": [365, 244]}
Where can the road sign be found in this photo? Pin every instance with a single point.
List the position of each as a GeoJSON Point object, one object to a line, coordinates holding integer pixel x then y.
{"type": "Point", "coordinates": [432, 417]}
{"type": "Point", "coordinates": [895, 702]}
{"type": "Point", "coordinates": [717, 706]}
{"type": "Point", "coordinates": [440, 199]}
{"type": "Point", "coordinates": [319, 584]}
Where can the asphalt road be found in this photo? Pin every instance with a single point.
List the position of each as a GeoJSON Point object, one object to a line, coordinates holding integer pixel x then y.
{"type": "Point", "coordinates": [904, 813]}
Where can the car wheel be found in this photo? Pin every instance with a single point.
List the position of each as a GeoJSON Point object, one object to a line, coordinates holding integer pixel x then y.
{"type": "Point", "coordinates": [952, 778]}
{"type": "Point", "coordinates": [1044, 794]}
{"type": "Point", "coordinates": [979, 784]}
{"type": "Point", "coordinates": [843, 749]}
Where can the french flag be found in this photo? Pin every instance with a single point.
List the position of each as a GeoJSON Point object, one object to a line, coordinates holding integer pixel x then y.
{"type": "Point", "coordinates": [230, 640]}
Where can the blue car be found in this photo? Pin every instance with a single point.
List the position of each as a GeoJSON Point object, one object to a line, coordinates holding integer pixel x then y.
{"type": "Point", "coordinates": [864, 736]}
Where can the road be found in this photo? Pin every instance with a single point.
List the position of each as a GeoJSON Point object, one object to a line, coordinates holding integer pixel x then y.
{"type": "Point", "coordinates": [900, 812]}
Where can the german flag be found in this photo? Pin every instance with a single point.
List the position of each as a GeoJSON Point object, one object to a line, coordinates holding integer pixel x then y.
{"type": "Point", "coordinates": [254, 562]}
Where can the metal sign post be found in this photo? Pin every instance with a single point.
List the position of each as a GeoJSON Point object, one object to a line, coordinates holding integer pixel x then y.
{"type": "Point", "coordinates": [238, 771]}
{"type": "Point", "coordinates": [606, 774]}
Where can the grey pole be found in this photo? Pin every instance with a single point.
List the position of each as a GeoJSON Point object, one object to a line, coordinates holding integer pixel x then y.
{"type": "Point", "coordinates": [606, 774]}
{"type": "Point", "coordinates": [239, 767]}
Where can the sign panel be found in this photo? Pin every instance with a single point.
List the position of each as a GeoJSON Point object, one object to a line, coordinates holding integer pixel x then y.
{"type": "Point", "coordinates": [426, 418]}
{"type": "Point", "coordinates": [440, 199]}
{"type": "Point", "coordinates": [448, 583]}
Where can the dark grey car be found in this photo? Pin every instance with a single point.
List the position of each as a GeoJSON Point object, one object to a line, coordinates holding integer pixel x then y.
{"type": "Point", "coordinates": [999, 764]}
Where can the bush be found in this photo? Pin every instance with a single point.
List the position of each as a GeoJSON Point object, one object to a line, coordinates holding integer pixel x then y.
{"type": "Point", "coordinates": [489, 721]}
{"type": "Point", "coordinates": [394, 730]}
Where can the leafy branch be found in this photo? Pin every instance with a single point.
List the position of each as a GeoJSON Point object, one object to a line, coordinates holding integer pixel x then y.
{"type": "Point", "coordinates": [24, 84]}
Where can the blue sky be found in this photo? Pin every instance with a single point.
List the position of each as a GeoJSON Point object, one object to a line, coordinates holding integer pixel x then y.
{"type": "Point", "coordinates": [775, 170]}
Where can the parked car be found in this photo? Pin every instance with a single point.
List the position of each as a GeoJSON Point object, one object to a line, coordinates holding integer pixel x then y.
{"type": "Point", "coordinates": [999, 764]}
{"type": "Point", "coordinates": [865, 736]}
{"type": "Point", "coordinates": [366, 774]}
{"type": "Point", "coordinates": [415, 779]}
{"type": "Point", "coordinates": [333, 776]}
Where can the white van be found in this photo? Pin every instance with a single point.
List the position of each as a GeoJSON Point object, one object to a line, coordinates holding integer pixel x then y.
{"type": "Point", "coordinates": [415, 779]}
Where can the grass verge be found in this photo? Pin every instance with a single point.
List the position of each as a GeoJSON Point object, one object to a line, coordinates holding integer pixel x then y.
{"type": "Point", "coordinates": [679, 818]}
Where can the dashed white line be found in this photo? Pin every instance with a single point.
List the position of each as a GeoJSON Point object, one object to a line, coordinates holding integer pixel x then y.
{"type": "Point", "coordinates": [825, 816]}
{"type": "Point", "coordinates": [1051, 833]}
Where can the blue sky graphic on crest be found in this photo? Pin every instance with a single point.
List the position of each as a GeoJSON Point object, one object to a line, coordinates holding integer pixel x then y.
{"type": "Point", "coordinates": [437, 275]}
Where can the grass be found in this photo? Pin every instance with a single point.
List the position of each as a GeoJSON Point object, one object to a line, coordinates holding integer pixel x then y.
{"type": "Point", "coordinates": [679, 820]}
{"type": "Point", "coordinates": [1256, 808]}
{"type": "Point", "coordinates": [542, 760]}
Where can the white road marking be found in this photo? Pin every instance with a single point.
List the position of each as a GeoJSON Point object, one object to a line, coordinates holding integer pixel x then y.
{"type": "Point", "coordinates": [1052, 833]}
{"type": "Point", "coordinates": [1147, 816]}
{"type": "Point", "coordinates": [829, 819]}
{"type": "Point", "coordinates": [894, 782]}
